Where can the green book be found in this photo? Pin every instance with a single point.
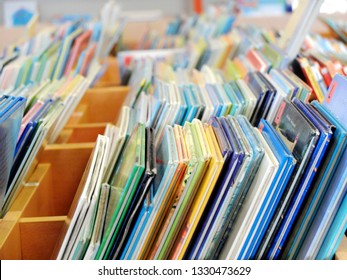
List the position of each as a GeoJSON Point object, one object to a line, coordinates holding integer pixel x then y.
{"type": "Point", "coordinates": [126, 180]}
{"type": "Point", "coordinates": [198, 162]}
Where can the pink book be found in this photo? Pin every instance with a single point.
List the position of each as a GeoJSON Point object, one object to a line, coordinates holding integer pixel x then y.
{"type": "Point", "coordinates": [81, 44]}
{"type": "Point", "coordinates": [88, 58]}
{"type": "Point", "coordinates": [28, 117]}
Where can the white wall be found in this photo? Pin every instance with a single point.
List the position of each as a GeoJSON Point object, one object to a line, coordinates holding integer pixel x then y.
{"type": "Point", "coordinates": [51, 8]}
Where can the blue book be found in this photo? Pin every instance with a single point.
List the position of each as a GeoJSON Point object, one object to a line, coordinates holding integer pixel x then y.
{"type": "Point", "coordinates": [10, 119]}
{"type": "Point", "coordinates": [196, 96]}
{"type": "Point", "coordinates": [335, 102]}
{"type": "Point", "coordinates": [138, 199]}
{"type": "Point", "coordinates": [236, 105]}
{"type": "Point", "coordinates": [269, 97]}
{"type": "Point", "coordinates": [183, 107]}
{"type": "Point", "coordinates": [330, 220]}
{"type": "Point", "coordinates": [240, 97]}
{"type": "Point", "coordinates": [137, 230]}
{"type": "Point", "coordinates": [217, 104]}
{"type": "Point", "coordinates": [286, 167]}
{"type": "Point", "coordinates": [260, 91]}
{"type": "Point", "coordinates": [336, 99]}
{"type": "Point", "coordinates": [244, 181]}
{"type": "Point", "coordinates": [338, 144]}
{"type": "Point", "coordinates": [192, 107]}
{"type": "Point", "coordinates": [22, 147]}
{"type": "Point", "coordinates": [231, 158]}
{"type": "Point", "coordinates": [335, 234]}
{"type": "Point", "coordinates": [224, 100]}
{"type": "Point", "coordinates": [304, 187]}
{"type": "Point", "coordinates": [215, 226]}
{"type": "Point", "coordinates": [291, 127]}
{"type": "Point", "coordinates": [282, 82]}
{"type": "Point", "coordinates": [5, 100]}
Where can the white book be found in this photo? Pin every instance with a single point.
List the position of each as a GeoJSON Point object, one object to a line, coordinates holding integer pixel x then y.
{"type": "Point", "coordinates": [252, 203]}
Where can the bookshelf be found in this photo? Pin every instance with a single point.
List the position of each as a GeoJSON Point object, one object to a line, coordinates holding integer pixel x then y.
{"type": "Point", "coordinates": [32, 227]}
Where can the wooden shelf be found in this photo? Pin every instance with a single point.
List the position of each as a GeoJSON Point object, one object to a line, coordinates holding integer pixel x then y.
{"type": "Point", "coordinates": [33, 225]}
{"type": "Point", "coordinates": [111, 77]}
{"type": "Point", "coordinates": [341, 253]}
{"type": "Point", "coordinates": [99, 105]}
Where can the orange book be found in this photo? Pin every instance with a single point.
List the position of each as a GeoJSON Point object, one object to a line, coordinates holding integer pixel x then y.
{"type": "Point", "coordinates": [258, 63]}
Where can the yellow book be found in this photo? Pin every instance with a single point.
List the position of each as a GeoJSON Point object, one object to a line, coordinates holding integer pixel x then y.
{"type": "Point", "coordinates": [71, 85]}
{"type": "Point", "coordinates": [231, 70]}
{"type": "Point", "coordinates": [31, 26]}
{"type": "Point", "coordinates": [181, 140]}
{"type": "Point", "coordinates": [240, 67]}
{"type": "Point", "coordinates": [310, 75]}
{"type": "Point", "coordinates": [204, 191]}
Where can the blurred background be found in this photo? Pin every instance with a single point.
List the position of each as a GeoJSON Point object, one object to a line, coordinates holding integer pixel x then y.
{"type": "Point", "coordinates": [15, 12]}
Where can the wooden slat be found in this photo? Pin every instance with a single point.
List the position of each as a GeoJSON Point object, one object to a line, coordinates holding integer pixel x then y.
{"type": "Point", "coordinates": [68, 162]}
{"type": "Point", "coordinates": [111, 76]}
{"type": "Point", "coordinates": [41, 202]}
{"type": "Point", "coordinates": [29, 189]}
{"type": "Point", "coordinates": [76, 116]}
{"type": "Point", "coordinates": [341, 253]}
{"type": "Point", "coordinates": [10, 245]}
{"type": "Point", "coordinates": [85, 133]}
{"type": "Point", "coordinates": [64, 136]}
{"type": "Point", "coordinates": [103, 104]}
{"type": "Point", "coordinates": [39, 235]}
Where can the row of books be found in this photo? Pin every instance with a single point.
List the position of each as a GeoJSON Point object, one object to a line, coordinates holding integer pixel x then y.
{"type": "Point", "coordinates": [42, 80]}
{"type": "Point", "coordinates": [240, 139]}
{"type": "Point", "coordinates": [214, 51]}
{"type": "Point", "coordinates": [222, 189]}
{"type": "Point", "coordinates": [181, 30]}
{"type": "Point", "coordinates": [182, 95]}
{"type": "Point", "coordinates": [184, 174]}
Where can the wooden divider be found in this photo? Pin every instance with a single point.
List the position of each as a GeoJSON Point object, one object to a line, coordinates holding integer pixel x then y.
{"type": "Point", "coordinates": [38, 236]}
{"type": "Point", "coordinates": [99, 105]}
{"type": "Point", "coordinates": [341, 253]}
{"type": "Point", "coordinates": [32, 225]}
{"type": "Point", "coordinates": [111, 76]}
{"type": "Point", "coordinates": [10, 245]}
{"type": "Point", "coordinates": [81, 133]}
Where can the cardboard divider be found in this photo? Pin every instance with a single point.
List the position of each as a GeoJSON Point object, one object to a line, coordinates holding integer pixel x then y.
{"type": "Point", "coordinates": [58, 185]}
